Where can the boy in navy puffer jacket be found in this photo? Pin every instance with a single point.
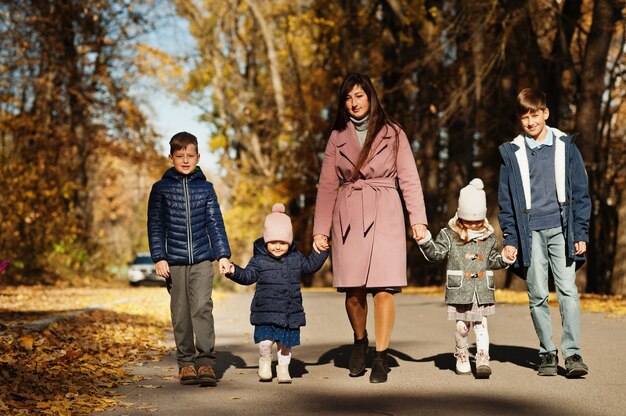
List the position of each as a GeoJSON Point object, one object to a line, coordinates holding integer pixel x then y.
{"type": "Point", "coordinates": [276, 311]}
{"type": "Point", "coordinates": [186, 233]}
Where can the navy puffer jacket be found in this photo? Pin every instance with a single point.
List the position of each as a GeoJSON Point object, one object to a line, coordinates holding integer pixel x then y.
{"type": "Point", "coordinates": [277, 299]}
{"type": "Point", "coordinates": [185, 224]}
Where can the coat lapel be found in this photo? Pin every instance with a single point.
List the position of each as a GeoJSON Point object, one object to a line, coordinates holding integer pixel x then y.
{"type": "Point", "coordinates": [559, 164]}
{"type": "Point", "coordinates": [349, 147]}
{"type": "Point", "coordinates": [348, 144]}
{"type": "Point", "coordinates": [380, 152]}
{"type": "Point", "coordinates": [522, 163]}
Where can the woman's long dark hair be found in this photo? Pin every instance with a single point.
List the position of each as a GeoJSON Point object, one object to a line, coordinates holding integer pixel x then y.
{"type": "Point", "coordinates": [378, 117]}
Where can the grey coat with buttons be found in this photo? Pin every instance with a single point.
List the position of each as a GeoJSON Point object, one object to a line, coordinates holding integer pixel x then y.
{"type": "Point", "coordinates": [469, 266]}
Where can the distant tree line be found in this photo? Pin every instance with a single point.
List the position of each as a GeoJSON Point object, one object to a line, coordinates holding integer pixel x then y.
{"type": "Point", "coordinates": [266, 73]}
{"type": "Point", "coordinates": [72, 140]}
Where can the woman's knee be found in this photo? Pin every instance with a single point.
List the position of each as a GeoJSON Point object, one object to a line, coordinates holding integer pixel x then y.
{"type": "Point", "coordinates": [356, 296]}
{"type": "Point", "coordinates": [383, 296]}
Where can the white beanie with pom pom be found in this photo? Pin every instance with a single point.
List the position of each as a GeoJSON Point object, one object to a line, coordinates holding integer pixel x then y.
{"type": "Point", "coordinates": [278, 225]}
{"type": "Point", "coordinates": [472, 201]}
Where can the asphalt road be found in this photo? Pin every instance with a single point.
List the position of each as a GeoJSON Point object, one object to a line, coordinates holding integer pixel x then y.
{"type": "Point", "coordinates": [422, 378]}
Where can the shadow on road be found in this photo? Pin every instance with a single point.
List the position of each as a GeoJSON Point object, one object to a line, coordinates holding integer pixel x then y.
{"type": "Point", "coordinates": [339, 357]}
{"type": "Point", "coordinates": [226, 359]}
{"type": "Point", "coordinates": [384, 403]}
{"type": "Point", "coordinates": [521, 356]}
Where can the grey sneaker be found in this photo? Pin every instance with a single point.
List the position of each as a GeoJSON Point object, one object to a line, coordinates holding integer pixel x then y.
{"type": "Point", "coordinates": [575, 366]}
{"type": "Point", "coordinates": [548, 364]}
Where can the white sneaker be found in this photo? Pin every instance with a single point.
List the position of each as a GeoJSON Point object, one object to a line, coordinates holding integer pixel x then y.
{"type": "Point", "coordinates": [282, 374]}
{"type": "Point", "coordinates": [482, 365]}
{"type": "Point", "coordinates": [265, 368]}
{"type": "Point", "coordinates": [462, 361]}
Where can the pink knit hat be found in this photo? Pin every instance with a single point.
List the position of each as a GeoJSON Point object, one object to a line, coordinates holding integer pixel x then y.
{"type": "Point", "coordinates": [278, 225]}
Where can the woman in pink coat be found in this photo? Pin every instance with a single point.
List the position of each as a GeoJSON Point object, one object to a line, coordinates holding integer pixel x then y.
{"type": "Point", "coordinates": [358, 205]}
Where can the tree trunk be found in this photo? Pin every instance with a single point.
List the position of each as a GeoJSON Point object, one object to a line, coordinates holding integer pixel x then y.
{"type": "Point", "coordinates": [272, 56]}
{"type": "Point", "coordinates": [588, 116]}
{"type": "Point", "coordinates": [605, 14]}
{"type": "Point", "coordinates": [618, 283]}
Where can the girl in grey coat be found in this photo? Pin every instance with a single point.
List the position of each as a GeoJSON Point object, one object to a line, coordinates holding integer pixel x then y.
{"type": "Point", "coordinates": [471, 249]}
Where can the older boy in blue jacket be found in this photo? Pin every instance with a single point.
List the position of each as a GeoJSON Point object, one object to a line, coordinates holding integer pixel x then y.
{"type": "Point", "coordinates": [186, 233]}
{"type": "Point", "coordinates": [544, 216]}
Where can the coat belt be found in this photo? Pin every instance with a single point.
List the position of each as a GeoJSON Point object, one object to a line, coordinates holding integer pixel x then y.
{"type": "Point", "coordinates": [368, 191]}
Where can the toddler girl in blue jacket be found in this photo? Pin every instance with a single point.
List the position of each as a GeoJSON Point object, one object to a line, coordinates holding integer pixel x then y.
{"type": "Point", "coordinates": [276, 310]}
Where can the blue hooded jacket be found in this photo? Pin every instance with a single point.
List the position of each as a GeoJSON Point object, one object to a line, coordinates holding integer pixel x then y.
{"type": "Point", "coordinates": [514, 189]}
{"type": "Point", "coordinates": [185, 224]}
{"type": "Point", "coordinates": [277, 298]}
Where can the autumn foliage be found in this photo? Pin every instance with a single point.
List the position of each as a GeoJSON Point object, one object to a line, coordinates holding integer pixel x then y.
{"type": "Point", "coordinates": [68, 128]}
{"type": "Point", "coordinates": [266, 72]}
{"type": "Point", "coordinates": [77, 152]}
{"type": "Point", "coordinates": [69, 367]}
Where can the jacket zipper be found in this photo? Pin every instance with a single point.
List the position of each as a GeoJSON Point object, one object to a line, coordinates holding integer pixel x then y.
{"type": "Point", "coordinates": [188, 213]}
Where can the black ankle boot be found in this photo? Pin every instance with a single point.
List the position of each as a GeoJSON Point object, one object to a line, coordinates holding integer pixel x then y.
{"type": "Point", "coordinates": [380, 368]}
{"type": "Point", "coordinates": [356, 362]}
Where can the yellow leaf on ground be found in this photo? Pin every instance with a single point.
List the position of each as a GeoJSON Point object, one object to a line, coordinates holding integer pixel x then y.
{"type": "Point", "coordinates": [27, 342]}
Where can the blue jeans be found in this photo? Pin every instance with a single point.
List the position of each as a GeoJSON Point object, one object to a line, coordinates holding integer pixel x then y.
{"type": "Point", "coordinates": [549, 249]}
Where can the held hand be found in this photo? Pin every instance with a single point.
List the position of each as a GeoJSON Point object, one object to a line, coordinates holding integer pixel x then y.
{"type": "Point", "coordinates": [231, 270]}
{"type": "Point", "coordinates": [162, 269]}
{"type": "Point", "coordinates": [224, 265]}
{"type": "Point", "coordinates": [320, 243]}
{"type": "Point", "coordinates": [581, 247]}
{"type": "Point", "coordinates": [419, 231]}
{"type": "Point", "coordinates": [510, 252]}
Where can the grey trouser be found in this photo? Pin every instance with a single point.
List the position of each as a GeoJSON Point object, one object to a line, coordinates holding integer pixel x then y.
{"type": "Point", "coordinates": [192, 313]}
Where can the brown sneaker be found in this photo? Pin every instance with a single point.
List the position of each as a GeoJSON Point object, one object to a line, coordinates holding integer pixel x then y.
{"type": "Point", "coordinates": [188, 375]}
{"type": "Point", "coordinates": [206, 376]}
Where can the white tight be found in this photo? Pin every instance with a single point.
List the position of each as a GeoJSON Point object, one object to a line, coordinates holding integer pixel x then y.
{"type": "Point", "coordinates": [480, 330]}
{"type": "Point", "coordinates": [284, 353]}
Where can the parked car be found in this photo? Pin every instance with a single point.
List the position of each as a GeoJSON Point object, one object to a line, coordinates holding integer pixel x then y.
{"type": "Point", "coordinates": [143, 271]}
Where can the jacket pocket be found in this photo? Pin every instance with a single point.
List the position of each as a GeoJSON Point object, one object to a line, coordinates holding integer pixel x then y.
{"type": "Point", "coordinates": [491, 283]}
{"type": "Point", "coordinates": [454, 279]}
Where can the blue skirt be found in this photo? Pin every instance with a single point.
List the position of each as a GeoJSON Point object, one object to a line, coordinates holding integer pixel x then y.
{"type": "Point", "coordinates": [289, 337]}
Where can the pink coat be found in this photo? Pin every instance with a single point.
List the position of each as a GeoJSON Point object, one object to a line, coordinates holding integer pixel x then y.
{"type": "Point", "coordinates": [364, 218]}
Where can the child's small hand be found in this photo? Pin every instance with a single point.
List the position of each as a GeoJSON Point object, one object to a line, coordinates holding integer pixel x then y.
{"type": "Point", "coordinates": [224, 265]}
{"type": "Point", "coordinates": [320, 243]}
{"type": "Point", "coordinates": [231, 269]}
{"type": "Point", "coordinates": [162, 268]}
{"type": "Point", "coordinates": [510, 252]}
{"type": "Point", "coordinates": [419, 231]}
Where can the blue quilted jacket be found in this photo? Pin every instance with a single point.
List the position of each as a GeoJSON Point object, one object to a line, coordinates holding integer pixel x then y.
{"type": "Point", "coordinates": [185, 224]}
{"type": "Point", "coordinates": [277, 299]}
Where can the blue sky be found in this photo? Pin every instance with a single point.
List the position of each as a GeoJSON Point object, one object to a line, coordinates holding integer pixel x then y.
{"type": "Point", "coordinates": [172, 116]}
{"type": "Point", "coordinates": [169, 115]}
